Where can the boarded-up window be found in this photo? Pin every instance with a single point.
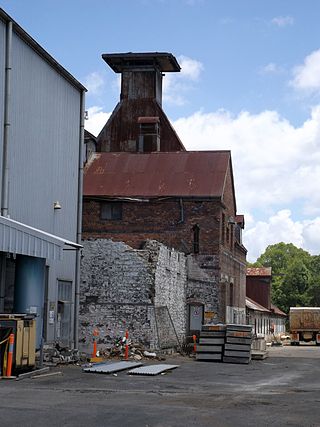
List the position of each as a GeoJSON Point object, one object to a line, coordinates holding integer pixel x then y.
{"type": "Point", "coordinates": [112, 210]}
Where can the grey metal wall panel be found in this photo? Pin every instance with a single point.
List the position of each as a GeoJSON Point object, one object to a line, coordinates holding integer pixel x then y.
{"type": "Point", "coordinates": [44, 140]}
{"type": "Point", "coordinates": [43, 153]}
{"type": "Point", "coordinates": [2, 73]}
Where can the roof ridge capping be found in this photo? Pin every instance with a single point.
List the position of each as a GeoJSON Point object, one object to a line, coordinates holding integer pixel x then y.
{"type": "Point", "coordinates": [163, 61]}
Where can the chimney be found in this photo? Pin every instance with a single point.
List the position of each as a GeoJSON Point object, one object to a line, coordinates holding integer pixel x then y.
{"type": "Point", "coordinates": [141, 73]}
{"type": "Point", "coordinates": [138, 121]}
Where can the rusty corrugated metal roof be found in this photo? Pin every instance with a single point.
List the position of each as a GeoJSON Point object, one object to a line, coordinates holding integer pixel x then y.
{"type": "Point", "coordinates": [157, 174]}
{"type": "Point", "coordinates": [259, 271]}
{"type": "Point", "coordinates": [253, 305]}
{"type": "Point", "coordinates": [277, 310]}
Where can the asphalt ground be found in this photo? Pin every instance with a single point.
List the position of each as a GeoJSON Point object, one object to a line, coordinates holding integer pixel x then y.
{"type": "Point", "coordinates": [282, 390]}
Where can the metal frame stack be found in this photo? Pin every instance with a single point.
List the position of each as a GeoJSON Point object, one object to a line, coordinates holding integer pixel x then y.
{"type": "Point", "coordinates": [211, 343]}
{"type": "Point", "coordinates": [237, 347]}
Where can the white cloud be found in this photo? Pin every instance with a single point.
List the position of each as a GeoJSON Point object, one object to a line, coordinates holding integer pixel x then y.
{"type": "Point", "coordinates": [97, 118]}
{"type": "Point", "coordinates": [94, 82]}
{"type": "Point", "coordinates": [272, 161]}
{"type": "Point", "coordinates": [276, 165]}
{"type": "Point", "coordinates": [190, 68]}
{"type": "Point", "coordinates": [282, 21]}
{"type": "Point", "coordinates": [282, 228]}
{"type": "Point", "coordinates": [278, 228]}
{"type": "Point", "coordinates": [307, 76]}
{"type": "Point", "coordinates": [177, 85]}
{"type": "Point", "coordinates": [271, 68]}
{"type": "Point", "coordinates": [311, 235]}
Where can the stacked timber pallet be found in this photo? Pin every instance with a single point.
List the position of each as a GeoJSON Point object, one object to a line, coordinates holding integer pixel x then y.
{"type": "Point", "coordinates": [211, 343]}
{"type": "Point", "coordinates": [237, 347]}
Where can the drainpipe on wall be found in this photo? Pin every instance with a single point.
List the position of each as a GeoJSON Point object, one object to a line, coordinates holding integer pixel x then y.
{"type": "Point", "coordinates": [7, 95]}
{"type": "Point", "coordinates": [5, 166]}
{"type": "Point", "coordinates": [181, 220]}
{"type": "Point", "coordinates": [79, 223]}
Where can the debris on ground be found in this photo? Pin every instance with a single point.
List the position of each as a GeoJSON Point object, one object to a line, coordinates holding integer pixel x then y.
{"type": "Point", "coordinates": [152, 369]}
{"type": "Point", "coordinates": [111, 367]}
{"type": "Point", "coordinates": [33, 373]}
{"type": "Point", "coordinates": [135, 351]}
{"type": "Point", "coordinates": [149, 354]}
{"type": "Point", "coordinates": [57, 355]}
{"type": "Point", "coordinates": [50, 374]}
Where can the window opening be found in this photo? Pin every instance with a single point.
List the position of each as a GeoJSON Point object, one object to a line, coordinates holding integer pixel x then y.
{"type": "Point", "coordinates": [231, 295]}
{"type": "Point", "coordinates": [149, 134]}
{"type": "Point", "coordinates": [223, 225]}
{"type": "Point", "coordinates": [196, 238]}
{"type": "Point", "coordinates": [111, 211]}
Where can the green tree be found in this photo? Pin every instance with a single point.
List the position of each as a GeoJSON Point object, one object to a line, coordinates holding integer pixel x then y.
{"type": "Point", "coordinates": [313, 292]}
{"type": "Point", "coordinates": [293, 272]}
{"type": "Point", "coordinates": [294, 285]}
{"type": "Point", "coordinates": [279, 256]}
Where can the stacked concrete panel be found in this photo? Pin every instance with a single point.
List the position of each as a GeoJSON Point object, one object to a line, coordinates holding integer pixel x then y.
{"type": "Point", "coordinates": [237, 347]}
{"type": "Point", "coordinates": [211, 343]}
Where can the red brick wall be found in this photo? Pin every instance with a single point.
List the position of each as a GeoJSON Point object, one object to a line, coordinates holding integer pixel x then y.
{"type": "Point", "coordinates": [159, 220]}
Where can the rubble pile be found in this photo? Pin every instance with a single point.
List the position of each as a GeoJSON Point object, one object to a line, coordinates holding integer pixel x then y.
{"type": "Point", "coordinates": [136, 352]}
{"type": "Point", "coordinates": [60, 355]}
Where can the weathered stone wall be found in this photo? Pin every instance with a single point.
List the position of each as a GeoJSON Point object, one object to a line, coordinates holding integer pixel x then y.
{"type": "Point", "coordinates": [123, 288]}
{"type": "Point", "coordinates": [117, 289]}
{"type": "Point", "coordinates": [170, 284]}
{"type": "Point", "coordinates": [204, 286]}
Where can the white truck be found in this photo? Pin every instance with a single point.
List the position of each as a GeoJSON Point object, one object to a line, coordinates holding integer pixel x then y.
{"type": "Point", "coordinates": [304, 324]}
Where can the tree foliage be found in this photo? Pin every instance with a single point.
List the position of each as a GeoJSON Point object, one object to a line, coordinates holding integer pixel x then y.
{"type": "Point", "coordinates": [295, 275]}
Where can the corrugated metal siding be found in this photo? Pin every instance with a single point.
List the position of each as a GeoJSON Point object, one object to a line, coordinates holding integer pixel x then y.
{"type": "Point", "coordinates": [44, 144]}
{"type": "Point", "coordinates": [43, 153]}
{"type": "Point", "coordinates": [18, 242]}
{"type": "Point", "coordinates": [19, 238]}
{"type": "Point", "coordinates": [2, 73]}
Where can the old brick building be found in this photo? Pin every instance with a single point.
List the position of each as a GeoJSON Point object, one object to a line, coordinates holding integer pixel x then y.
{"type": "Point", "coordinates": [265, 317]}
{"type": "Point", "coordinates": [143, 185]}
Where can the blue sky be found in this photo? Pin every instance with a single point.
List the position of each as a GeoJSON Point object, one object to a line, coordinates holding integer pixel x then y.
{"type": "Point", "coordinates": [250, 82]}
